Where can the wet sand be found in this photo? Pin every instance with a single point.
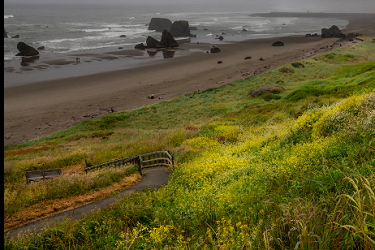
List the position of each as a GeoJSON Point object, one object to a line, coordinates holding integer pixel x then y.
{"type": "Point", "coordinates": [40, 108]}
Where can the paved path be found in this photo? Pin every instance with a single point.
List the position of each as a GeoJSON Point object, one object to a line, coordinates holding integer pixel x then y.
{"type": "Point", "coordinates": [153, 178]}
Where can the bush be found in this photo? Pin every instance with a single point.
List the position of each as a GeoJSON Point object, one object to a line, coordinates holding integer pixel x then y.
{"type": "Point", "coordinates": [298, 65]}
{"type": "Point", "coordinates": [269, 97]}
{"type": "Point", "coordinates": [286, 70]}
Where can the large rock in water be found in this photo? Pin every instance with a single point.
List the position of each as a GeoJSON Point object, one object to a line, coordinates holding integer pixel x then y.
{"type": "Point", "coordinates": [5, 34]}
{"type": "Point", "coordinates": [334, 31]}
{"type": "Point", "coordinates": [167, 39]}
{"type": "Point", "coordinates": [180, 28]}
{"type": "Point", "coordinates": [26, 50]}
{"type": "Point", "coordinates": [153, 43]}
{"type": "Point", "coordinates": [159, 24]}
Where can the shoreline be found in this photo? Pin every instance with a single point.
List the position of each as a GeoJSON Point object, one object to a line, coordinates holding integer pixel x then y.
{"type": "Point", "coordinates": [44, 107]}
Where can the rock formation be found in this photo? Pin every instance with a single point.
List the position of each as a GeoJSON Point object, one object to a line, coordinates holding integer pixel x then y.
{"type": "Point", "coordinates": [278, 43]}
{"type": "Point", "coordinates": [159, 24]}
{"type": "Point", "coordinates": [26, 50]}
{"type": "Point", "coordinates": [140, 46]}
{"type": "Point", "coordinates": [167, 40]}
{"type": "Point", "coordinates": [153, 43]}
{"type": "Point", "coordinates": [5, 34]}
{"type": "Point", "coordinates": [215, 49]}
{"type": "Point", "coordinates": [334, 31]}
{"type": "Point", "coordinates": [180, 28]}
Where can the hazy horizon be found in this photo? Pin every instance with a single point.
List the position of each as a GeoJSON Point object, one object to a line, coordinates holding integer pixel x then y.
{"type": "Point", "coordinates": [344, 6]}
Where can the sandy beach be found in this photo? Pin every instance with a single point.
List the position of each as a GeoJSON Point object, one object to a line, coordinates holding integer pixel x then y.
{"type": "Point", "coordinates": [40, 108]}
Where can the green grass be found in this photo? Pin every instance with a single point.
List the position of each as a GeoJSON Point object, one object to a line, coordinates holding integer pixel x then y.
{"type": "Point", "coordinates": [294, 170]}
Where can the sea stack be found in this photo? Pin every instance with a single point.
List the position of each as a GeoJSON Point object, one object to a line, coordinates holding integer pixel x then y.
{"type": "Point", "coordinates": [26, 50]}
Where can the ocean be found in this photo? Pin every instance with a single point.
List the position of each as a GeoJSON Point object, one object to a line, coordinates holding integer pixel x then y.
{"type": "Point", "coordinates": [68, 28]}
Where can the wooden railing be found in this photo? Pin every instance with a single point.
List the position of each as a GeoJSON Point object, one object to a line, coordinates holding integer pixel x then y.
{"type": "Point", "coordinates": [38, 175]}
{"type": "Point", "coordinates": [154, 159]}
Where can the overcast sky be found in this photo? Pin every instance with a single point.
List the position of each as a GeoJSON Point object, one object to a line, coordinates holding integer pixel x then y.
{"type": "Point", "coordinates": [282, 5]}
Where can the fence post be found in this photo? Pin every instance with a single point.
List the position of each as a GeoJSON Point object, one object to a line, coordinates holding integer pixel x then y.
{"type": "Point", "coordinates": [138, 161]}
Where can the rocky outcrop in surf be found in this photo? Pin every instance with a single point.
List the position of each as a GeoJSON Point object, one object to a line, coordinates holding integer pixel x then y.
{"type": "Point", "coordinates": [159, 24]}
{"type": "Point", "coordinates": [26, 50]}
{"type": "Point", "coordinates": [334, 31]}
{"type": "Point", "coordinates": [180, 29]}
{"type": "Point", "coordinates": [167, 41]}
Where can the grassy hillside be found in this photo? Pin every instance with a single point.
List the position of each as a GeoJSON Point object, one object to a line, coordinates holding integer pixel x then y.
{"type": "Point", "coordinates": [291, 169]}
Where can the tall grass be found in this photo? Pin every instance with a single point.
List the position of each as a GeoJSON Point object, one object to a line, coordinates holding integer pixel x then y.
{"type": "Point", "coordinates": [65, 186]}
{"type": "Point", "coordinates": [250, 173]}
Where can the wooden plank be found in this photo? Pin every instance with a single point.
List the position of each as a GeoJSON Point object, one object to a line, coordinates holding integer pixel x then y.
{"type": "Point", "coordinates": [50, 173]}
{"type": "Point", "coordinates": [157, 165]}
{"type": "Point", "coordinates": [157, 160]}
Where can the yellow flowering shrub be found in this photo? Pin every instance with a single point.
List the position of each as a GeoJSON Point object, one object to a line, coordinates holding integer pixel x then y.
{"type": "Point", "coordinates": [228, 132]}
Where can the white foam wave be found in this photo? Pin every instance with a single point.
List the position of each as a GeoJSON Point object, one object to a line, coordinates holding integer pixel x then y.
{"type": "Point", "coordinates": [240, 27]}
{"type": "Point", "coordinates": [8, 16]}
{"type": "Point", "coordinates": [96, 30]}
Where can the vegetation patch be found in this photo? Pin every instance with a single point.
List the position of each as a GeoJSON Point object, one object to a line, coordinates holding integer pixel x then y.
{"type": "Point", "coordinates": [293, 172]}
{"type": "Point", "coordinates": [298, 65]}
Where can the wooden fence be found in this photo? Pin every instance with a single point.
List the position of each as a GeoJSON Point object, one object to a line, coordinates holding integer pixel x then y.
{"type": "Point", "coordinates": [154, 159]}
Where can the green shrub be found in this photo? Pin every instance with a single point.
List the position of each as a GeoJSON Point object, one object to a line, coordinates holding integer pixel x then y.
{"type": "Point", "coordinates": [286, 70]}
{"type": "Point", "coordinates": [298, 65]}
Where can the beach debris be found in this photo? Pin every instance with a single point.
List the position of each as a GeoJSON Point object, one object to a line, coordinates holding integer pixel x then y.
{"type": "Point", "coordinates": [265, 90]}
{"type": "Point", "coordinates": [159, 24]}
{"type": "Point", "coordinates": [278, 43]}
{"type": "Point", "coordinates": [219, 62]}
{"type": "Point", "coordinates": [160, 98]}
{"type": "Point", "coordinates": [109, 110]}
{"type": "Point", "coordinates": [26, 50]}
{"type": "Point", "coordinates": [215, 49]}
{"type": "Point", "coordinates": [151, 96]}
{"type": "Point", "coordinates": [248, 57]}
{"type": "Point", "coordinates": [221, 82]}
{"type": "Point", "coordinates": [261, 59]}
